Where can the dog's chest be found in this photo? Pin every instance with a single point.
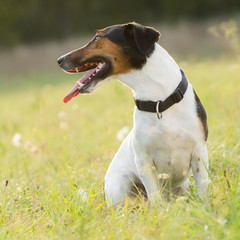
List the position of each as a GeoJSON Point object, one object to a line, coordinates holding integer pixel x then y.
{"type": "Point", "coordinates": [167, 143]}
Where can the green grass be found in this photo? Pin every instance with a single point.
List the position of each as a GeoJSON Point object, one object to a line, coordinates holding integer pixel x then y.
{"type": "Point", "coordinates": [69, 146]}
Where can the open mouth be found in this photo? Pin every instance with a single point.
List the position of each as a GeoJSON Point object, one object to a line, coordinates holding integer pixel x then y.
{"type": "Point", "coordinates": [96, 70]}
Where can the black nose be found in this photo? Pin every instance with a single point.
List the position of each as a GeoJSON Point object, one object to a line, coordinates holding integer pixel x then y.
{"type": "Point", "coordinates": [60, 60]}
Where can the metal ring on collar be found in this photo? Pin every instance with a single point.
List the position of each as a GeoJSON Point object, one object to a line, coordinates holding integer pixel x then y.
{"type": "Point", "coordinates": [159, 114]}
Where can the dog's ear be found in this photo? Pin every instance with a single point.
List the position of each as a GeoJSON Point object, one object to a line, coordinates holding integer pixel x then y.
{"type": "Point", "coordinates": [142, 37]}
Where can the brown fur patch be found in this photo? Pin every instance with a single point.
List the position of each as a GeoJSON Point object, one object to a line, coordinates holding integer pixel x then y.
{"type": "Point", "coordinates": [105, 48]}
{"type": "Point", "coordinates": [113, 52]}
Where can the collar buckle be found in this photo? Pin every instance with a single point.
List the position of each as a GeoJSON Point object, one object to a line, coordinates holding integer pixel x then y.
{"type": "Point", "coordinates": [177, 95]}
{"type": "Point", "coordinates": [159, 114]}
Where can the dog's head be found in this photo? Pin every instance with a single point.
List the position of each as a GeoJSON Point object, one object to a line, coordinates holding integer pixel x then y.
{"type": "Point", "coordinates": [114, 50]}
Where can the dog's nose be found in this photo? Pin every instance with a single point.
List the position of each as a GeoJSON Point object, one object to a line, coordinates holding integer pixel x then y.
{"type": "Point", "coordinates": [60, 60]}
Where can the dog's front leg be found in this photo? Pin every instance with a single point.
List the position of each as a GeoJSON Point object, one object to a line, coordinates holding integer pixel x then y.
{"type": "Point", "coordinates": [148, 176]}
{"type": "Point", "coordinates": [199, 165]}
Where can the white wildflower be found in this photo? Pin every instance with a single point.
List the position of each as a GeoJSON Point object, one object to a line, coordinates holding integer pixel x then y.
{"type": "Point", "coordinates": [17, 139]}
{"type": "Point", "coordinates": [164, 176]}
{"type": "Point", "coordinates": [82, 194]}
{"type": "Point", "coordinates": [206, 228]}
{"type": "Point", "coordinates": [75, 107]}
{"type": "Point", "coordinates": [222, 221]}
{"type": "Point", "coordinates": [181, 198]}
{"type": "Point", "coordinates": [61, 114]}
{"type": "Point", "coordinates": [63, 125]}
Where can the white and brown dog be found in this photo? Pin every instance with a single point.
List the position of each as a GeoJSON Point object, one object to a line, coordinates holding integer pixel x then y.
{"type": "Point", "coordinates": [168, 139]}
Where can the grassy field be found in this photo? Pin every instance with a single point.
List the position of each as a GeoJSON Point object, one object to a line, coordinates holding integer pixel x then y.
{"type": "Point", "coordinates": [60, 148]}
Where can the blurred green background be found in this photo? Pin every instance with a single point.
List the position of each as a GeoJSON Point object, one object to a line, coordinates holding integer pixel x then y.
{"type": "Point", "coordinates": [40, 20]}
{"type": "Point", "coordinates": [34, 33]}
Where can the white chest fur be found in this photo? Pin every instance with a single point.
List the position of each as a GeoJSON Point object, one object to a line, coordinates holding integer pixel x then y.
{"type": "Point", "coordinates": [168, 142]}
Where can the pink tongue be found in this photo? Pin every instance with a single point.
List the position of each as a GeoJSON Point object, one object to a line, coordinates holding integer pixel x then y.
{"type": "Point", "coordinates": [75, 90]}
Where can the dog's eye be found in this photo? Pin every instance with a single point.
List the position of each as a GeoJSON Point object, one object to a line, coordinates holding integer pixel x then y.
{"type": "Point", "coordinates": [96, 38]}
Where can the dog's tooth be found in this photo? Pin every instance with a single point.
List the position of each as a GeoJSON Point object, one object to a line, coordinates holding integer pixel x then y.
{"type": "Point", "coordinates": [93, 74]}
{"type": "Point", "coordinates": [100, 65]}
{"type": "Point", "coordinates": [80, 84]}
{"type": "Point", "coordinates": [76, 69]}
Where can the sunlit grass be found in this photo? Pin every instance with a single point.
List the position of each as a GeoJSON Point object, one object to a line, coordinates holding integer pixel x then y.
{"type": "Point", "coordinates": [64, 147]}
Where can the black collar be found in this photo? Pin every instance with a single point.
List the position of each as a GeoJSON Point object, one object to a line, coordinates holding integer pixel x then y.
{"type": "Point", "coordinates": [161, 106]}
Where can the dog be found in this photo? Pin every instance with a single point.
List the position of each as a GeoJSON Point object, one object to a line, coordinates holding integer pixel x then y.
{"type": "Point", "coordinates": [168, 140]}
